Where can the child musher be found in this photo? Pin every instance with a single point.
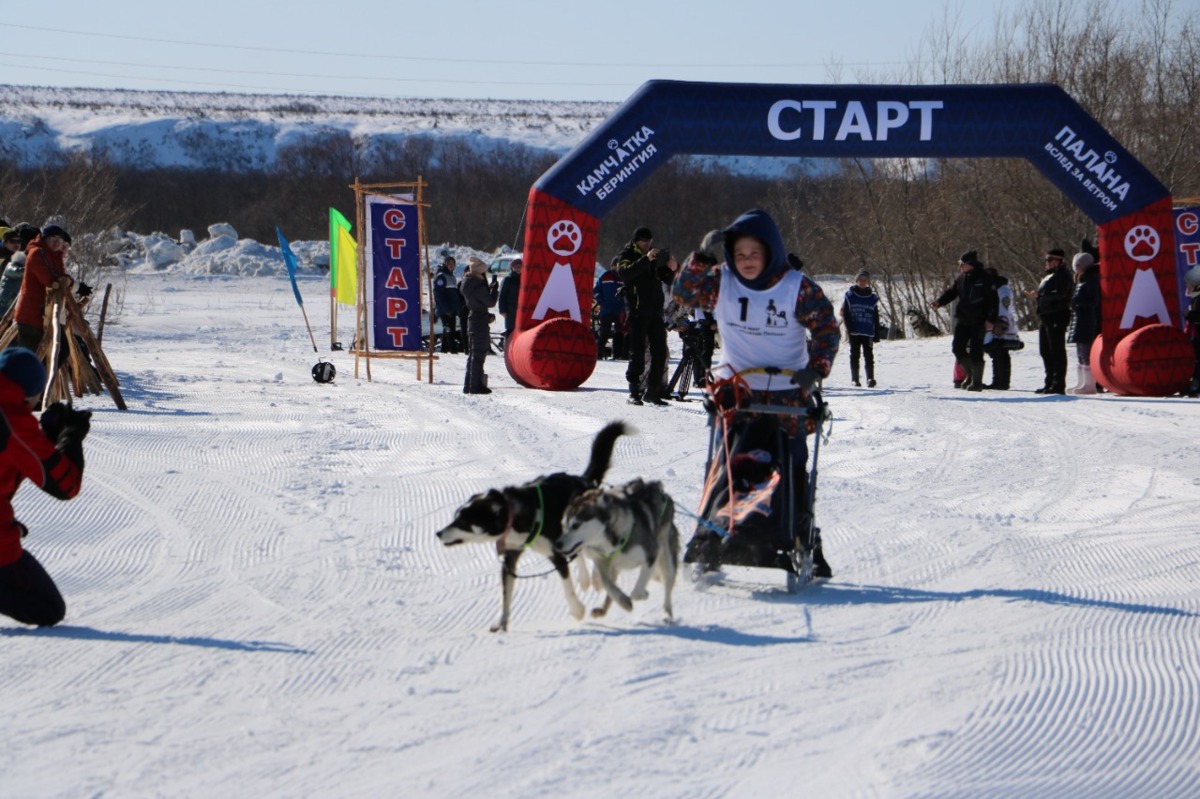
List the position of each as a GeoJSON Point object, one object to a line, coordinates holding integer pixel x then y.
{"type": "Point", "coordinates": [860, 313]}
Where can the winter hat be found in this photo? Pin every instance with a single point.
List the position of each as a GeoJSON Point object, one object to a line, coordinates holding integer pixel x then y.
{"type": "Point", "coordinates": [55, 230]}
{"type": "Point", "coordinates": [516, 264]}
{"type": "Point", "coordinates": [1056, 253]}
{"type": "Point", "coordinates": [27, 232]}
{"type": "Point", "coordinates": [861, 275]}
{"type": "Point", "coordinates": [1192, 279]}
{"type": "Point", "coordinates": [476, 266]}
{"type": "Point", "coordinates": [643, 234]}
{"type": "Point", "coordinates": [1082, 260]}
{"type": "Point", "coordinates": [970, 258]}
{"type": "Point", "coordinates": [7, 233]}
{"type": "Point", "coordinates": [23, 368]}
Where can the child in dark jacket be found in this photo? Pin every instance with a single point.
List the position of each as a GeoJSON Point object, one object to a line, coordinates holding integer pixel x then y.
{"type": "Point", "coordinates": [860, 314]}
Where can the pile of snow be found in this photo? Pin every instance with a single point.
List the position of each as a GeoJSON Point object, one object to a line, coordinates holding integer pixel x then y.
{"type": "Point", "coordinates": [225, 253]}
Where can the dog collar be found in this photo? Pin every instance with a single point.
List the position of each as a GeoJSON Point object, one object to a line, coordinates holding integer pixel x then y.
{"type": "Point", "coordinates": [539, 523]}
{"type": "Point", "coordinates": [539, 518]}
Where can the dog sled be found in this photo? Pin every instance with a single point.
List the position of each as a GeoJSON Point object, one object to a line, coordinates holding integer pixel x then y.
{"type": "Point", "coordinates": [758, 505]}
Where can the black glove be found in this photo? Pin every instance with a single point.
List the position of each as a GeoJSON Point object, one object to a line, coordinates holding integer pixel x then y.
{"type": "Point", "coordinates": [875, 340]}
{"type": "Point", "coordinates": [84, 290]}
{"type": "Point", "coordinates": [53, 419]}
{"type": "Point", "coordinates": [60, 418]}
{"type": "Point", "coordinates": [495, 280]}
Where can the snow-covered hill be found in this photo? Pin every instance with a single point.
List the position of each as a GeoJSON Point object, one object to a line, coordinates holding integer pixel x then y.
{"type": "Point", "coordinates": [150, 129]}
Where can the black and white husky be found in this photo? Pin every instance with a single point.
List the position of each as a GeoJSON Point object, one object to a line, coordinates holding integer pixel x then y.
{"type": "Point", "coordinates": [529, 516]}
{"type": "Point", "coordinates": [627, 527]}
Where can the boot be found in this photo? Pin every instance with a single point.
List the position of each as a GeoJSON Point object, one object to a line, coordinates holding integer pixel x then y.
{"type": "Point", "coordinates": [976, 373]}
{"type": "Point", "coordinates": [1087, 383]}
{"type": "Point", "coordinates": [854, 374]}
{"type": "Point", "coordinates": [1001, 374]}
{"type": "Point", "coordinates": [1079, 382]}
{"type": "Point", "coordinates": [820, 565]}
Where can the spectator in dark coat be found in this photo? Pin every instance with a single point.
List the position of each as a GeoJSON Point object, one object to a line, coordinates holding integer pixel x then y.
{"type": "Point", "coordinates": [860, 313]}
{"type": "Point", "coordinates": [45, 271]}
{"type": "Point", "coordinates": [1085, 319]}
{"type": "Point", "coordinates": [976, 307]}
{"type": "Point", "coordinates": [1053, 297]}
{"type": "Point", "coordinates": [51, 457]}
{"type": "Point", "coordinates": [645, 278]}
{"type": "Point", "coordinates": [446, 302]}
{"type": "Point", "coordinates": [478, 299]}
{"type": "Point", "coordinates": [608, 295]}
{"type": "Point", "coordinates": [510, 292]}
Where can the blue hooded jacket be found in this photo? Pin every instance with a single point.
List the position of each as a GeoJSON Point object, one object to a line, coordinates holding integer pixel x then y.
{"type": "Point", "coordinates": [759, 224]}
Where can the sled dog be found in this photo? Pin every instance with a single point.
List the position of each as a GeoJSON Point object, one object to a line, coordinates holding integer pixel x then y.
{"type": "Point", "coordinates": [922, 327]}
{"type": "Point", "coordinates": [627, 527]}
{"type": "Point", "coordinates": [529, 516]}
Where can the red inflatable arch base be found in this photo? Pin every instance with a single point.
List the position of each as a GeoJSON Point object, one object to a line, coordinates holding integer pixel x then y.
{"type": "Point", "coordinates": [557, 355]}
{"type": "Point", "coordinates": [1152, 361]}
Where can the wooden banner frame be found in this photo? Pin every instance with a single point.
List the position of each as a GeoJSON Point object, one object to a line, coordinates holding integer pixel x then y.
{"type": "Point", "coordinates": [361, 348]}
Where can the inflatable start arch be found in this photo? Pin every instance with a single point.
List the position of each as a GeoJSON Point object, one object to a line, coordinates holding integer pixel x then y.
{"type": "Point", "coordinates": [1142, 349]}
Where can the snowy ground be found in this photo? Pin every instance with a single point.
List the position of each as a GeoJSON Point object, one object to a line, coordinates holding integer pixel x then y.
{"type": "Point", "coordinates": [257, 605]}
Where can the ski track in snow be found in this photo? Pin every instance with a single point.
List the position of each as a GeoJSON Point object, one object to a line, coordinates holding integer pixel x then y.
{"type": "Point", "coordinates": [257, 603]}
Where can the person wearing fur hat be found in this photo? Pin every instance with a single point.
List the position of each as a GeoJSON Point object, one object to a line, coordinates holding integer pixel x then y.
{"type": "Point", "coordinates": [478, 299]}
{"type": "Point", "coordinates": [860, 313]}
{"type": "Point", "coordinates": [977, 305]}
{"type": "Point", "coordinates": [1053, 296]}
{"type": "Point", "coordinates": [45, 272]}
{"type": "Point", "coordinates": [1085, 319]}
{"type": "Point", "coordinates": [50, 456]}
{"type": "Point", "coordinates": [769, 314]}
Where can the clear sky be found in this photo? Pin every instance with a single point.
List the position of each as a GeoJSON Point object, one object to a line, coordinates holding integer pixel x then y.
{"type": "Point", "coordinates": [534, 49]}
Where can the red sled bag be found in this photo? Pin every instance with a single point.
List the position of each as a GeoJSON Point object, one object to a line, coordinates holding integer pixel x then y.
{"type": "Point", "coordinates": [960, 374]}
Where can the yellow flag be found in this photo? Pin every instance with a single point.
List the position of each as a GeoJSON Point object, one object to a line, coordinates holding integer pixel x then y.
{"type": "Point", "coordinates": [343, 263]}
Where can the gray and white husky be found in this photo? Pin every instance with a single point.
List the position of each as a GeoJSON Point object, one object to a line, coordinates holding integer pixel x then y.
{"type": "Point", "coordinates": [529, 516]}
{"type": "Point", "coordinates": [628, 527]}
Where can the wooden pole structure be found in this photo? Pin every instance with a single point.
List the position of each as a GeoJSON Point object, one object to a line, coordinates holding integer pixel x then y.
{"type": "Point", "coordinates": [103, 313]}
{"type": "Point", "coordinates": [363, 347]}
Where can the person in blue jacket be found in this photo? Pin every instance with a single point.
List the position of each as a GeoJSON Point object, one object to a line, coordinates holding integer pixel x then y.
{"type": "Point", "coordinates": [447, 303]}
{"type": "Point", "coordinates": [860, 313]}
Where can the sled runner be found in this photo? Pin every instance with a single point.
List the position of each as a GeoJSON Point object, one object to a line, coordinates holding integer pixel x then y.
{"type": "Point", "coordinates": [758, 506]}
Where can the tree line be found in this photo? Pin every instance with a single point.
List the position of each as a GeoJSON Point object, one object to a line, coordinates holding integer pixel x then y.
{"type": "Point", "coordinates": [1137, 71]}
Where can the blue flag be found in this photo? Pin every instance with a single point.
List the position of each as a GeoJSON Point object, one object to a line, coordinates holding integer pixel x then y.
{"type": "Point", "coordinates": [289, 259]}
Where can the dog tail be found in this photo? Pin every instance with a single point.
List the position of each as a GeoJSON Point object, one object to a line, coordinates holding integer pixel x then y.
{"type": "Point", "coordinates": [602, 450]}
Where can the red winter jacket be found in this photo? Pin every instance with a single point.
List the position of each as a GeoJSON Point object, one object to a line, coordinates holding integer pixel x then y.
{"type": "Point", "coordinates": [42, 268]}
{"type": "Point", "coordinates": [26, 452]}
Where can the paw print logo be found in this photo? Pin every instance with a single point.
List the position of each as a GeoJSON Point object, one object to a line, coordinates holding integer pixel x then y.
{"type": "Point", "coordinates": [564, 237]}
{"type": "Point", "coordinates": [1142, 243]}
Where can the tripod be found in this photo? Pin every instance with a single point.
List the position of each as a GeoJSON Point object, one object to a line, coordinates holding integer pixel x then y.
{"type": "Point", "coordinates": [691, 366]}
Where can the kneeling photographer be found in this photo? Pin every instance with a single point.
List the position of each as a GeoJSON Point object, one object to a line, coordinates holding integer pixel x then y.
{"type": "Point", "coordinates": [49, 455]}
